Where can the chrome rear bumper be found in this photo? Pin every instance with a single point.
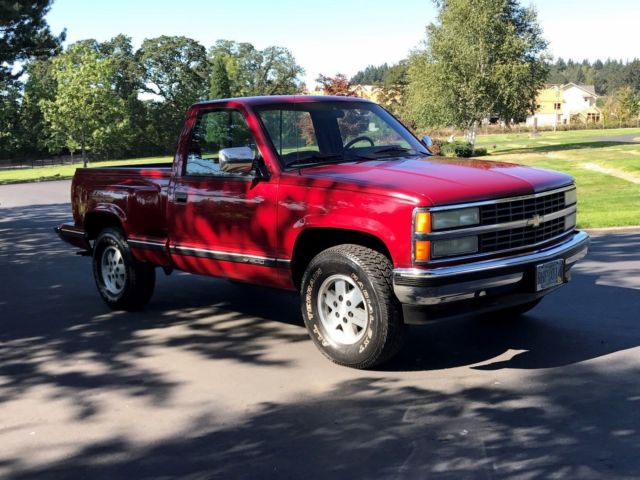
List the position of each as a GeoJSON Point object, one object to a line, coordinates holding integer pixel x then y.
{"type": "Point", "coordinates": [421, 286]}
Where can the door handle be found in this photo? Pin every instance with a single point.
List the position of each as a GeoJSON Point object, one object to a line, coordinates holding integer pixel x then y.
{"type": "Point", "coordinates": [181, 197]}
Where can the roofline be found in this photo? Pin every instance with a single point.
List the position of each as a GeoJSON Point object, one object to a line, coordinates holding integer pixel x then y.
{"type": "Point", "coordinates": [275, 99]}
{"type": "Point", "coordinates": [584, 90]}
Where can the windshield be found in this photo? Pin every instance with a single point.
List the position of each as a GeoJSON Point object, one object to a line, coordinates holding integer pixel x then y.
{"type": "Point", "coordinates": [309, 133]}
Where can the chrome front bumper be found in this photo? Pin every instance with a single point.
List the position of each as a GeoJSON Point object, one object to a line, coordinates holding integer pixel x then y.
{"type": "Point", "coordinates": [421, 286]}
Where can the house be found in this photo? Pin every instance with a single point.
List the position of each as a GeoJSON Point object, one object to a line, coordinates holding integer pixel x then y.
{"type": "Point", "coordinates": [565, 104]}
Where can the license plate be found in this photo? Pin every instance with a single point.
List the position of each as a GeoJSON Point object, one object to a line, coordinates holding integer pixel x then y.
{"type": "Point", "coordinates": [549, 274]}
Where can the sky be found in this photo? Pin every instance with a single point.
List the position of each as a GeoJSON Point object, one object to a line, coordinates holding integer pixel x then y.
{"type": "Point", "coordinates": [333, 36]}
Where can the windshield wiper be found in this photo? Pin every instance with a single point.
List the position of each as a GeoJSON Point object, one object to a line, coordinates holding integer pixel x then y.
{"type": "Point", "coordinates": [394, 149]}
{"type": "Point", "coordinates": [382, 151]}
{"type": "Point", "coordinates": [322, 158]}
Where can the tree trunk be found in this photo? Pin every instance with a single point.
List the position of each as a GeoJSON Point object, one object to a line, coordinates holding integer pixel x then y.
{"type": "Point", "coordinates": [84, 157]}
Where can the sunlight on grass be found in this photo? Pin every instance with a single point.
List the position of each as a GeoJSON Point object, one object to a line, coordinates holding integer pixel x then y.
{"type": "Point", "coordinates": [62, 172]}
{"type": "Point", "coordinates": [604, 200]}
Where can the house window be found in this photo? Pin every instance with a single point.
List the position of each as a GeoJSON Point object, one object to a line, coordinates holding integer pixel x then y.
{"type": "Point", "coordinates": [593, 117]}
{"type": "Point", "coordinates": [557, 106]}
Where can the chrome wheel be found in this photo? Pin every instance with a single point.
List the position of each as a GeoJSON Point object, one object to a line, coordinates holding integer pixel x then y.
{"type": "Point", "coordinates": [343, 311]}
{"type": "Point", "coordinates": [113, 270]}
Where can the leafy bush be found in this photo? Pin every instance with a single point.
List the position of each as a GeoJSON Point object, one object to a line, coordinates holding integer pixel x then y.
{"type": "Point", "coordinates": [460, 149]}
{"type": "Point", "coordinates": [479, 152]}
{"type": "Point", "coordinates": [456, 149]}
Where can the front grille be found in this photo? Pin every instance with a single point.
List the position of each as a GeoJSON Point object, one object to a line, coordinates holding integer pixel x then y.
{"type": "Point", "coordinates": [521, 209]}
{"type": "Point", "coordinates": [520, 237]}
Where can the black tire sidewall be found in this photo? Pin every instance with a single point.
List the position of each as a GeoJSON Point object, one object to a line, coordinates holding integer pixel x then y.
{"type": "Point", "coordinates": [370, 345]}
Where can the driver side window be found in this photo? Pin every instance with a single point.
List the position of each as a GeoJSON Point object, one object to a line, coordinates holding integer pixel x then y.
{"type": "Point", "coordinates": [215, 130]}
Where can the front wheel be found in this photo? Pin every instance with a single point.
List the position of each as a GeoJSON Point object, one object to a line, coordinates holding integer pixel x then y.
{"type": "Point", "coordinates": [349, 307]}
{"type": "Point", "coordinates": [123, 282]}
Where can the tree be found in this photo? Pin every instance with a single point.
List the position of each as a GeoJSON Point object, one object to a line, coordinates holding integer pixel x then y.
{"type": "Point", "coordinates": [483, 57]}
{"type": "Point", "coordinates": [632, 75]}
{"type": "Point", "coordinates": [40, 85]}
{"type": "Point", "coordinates": [338, 85]}
{"type": "Point", "coordinates": [9, 119]}
{"type": "Point", "coordinates": [175, 72]}
{"type": "Point", "coordinates": [86, 113]}
{"type": "Point", "coordinates": [371, 75]}
{"type": "Point", "coordinates": [628, 104]}
{"type": "Point", "coordinates": [174, 69]}
{"type": "Point", "coordinates": [24, 34]}
{"type": "Point", "coordinates": [272, 71]}
{"type": "Point", "coordinates": [220, 85]}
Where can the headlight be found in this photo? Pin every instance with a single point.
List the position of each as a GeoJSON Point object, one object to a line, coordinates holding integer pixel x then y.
{"type": "Point", "coordinates": [454, 246]}
{"type": "Point", "coordinates": [570, 197]}
{"type": "Point", "coordinates": [455, 218]}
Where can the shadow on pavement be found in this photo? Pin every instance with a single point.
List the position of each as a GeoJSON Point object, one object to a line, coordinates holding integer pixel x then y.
{"type": "Point", "coordinates": [577, 422]}
{"type": "Point", "coordinates": [374, 428]}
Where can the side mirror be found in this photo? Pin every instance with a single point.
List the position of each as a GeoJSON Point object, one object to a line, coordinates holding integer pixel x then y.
{"type": "Point", "coordinates": [236, 160]}
{"type": "Point", "coordinates": [426, 140]}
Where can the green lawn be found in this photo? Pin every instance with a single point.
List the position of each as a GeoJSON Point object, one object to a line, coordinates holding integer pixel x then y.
{"type": "Point", "coordinates": [606, 168]}
{"type": "Point", "coordinates": [61, 172]}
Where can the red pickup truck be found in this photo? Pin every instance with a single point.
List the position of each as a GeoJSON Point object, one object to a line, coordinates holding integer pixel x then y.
{"type": "Point", "coordinates": [334, 198]}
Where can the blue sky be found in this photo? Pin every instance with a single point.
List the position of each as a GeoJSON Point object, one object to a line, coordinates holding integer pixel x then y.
{"type": "Point", "coordinates": [340, 36]}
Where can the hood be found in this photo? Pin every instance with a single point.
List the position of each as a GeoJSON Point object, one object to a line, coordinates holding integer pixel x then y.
{"type": "Point", "coordinates": [438, 180]}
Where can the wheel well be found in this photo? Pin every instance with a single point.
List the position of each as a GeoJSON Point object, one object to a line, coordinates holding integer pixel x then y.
{"type": "Point", "coordinates": [314, 240]}
{"type": "Point", "coordinates": [95, 222]}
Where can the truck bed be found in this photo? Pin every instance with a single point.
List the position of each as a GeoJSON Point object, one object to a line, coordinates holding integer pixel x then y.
{"type": "Point", "coordinates": [136, 194]}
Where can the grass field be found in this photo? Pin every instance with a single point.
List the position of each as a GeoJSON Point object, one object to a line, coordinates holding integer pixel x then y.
{"type": "Point", "coordinates": [605, 164]}
{"type": "Point", "coordinates": [62, 172]}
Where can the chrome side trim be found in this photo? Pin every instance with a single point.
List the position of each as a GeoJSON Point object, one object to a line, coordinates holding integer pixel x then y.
{"type": "Point", "coordinates": [148, 245]}
{"type": "Point", "coordinates": [580, 239]}
{"type": "Point", "coordinates": [230, 256]}
{"type": "Point", "coordinates": [463, 232]}
{"type": "Point", "coordinates": [501, 200]}
{"type": "Point", "coordinates": [70, 232]}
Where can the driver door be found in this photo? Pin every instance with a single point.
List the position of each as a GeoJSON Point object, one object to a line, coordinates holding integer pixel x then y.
{"type": "Point", "coordinates": [222, 223]}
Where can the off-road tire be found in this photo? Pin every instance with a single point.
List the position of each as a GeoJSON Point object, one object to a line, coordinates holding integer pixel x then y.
{"type": "Point", "coordinates": [140, 278]}
{"type": "Point", "coordinates": [371, 271]}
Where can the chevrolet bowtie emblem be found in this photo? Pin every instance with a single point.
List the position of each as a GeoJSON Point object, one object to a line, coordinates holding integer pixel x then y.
{"type": "Point", "coordinates": [534, 221]}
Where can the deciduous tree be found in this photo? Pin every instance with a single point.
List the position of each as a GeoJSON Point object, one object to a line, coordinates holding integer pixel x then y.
{"type": "Point", "coordinates": [175, 72]}
{"type": "Point", "coordinates": [86, 113]}
{"type": "Point", "coordinates": [338, 85]}
{"type": "Point", "coordinates": [480, 58]}
{"type": "Point", "coordinates": [272, 71]}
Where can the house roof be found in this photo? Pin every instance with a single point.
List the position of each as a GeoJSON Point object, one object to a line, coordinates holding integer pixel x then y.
{"type": "Point", "coordinates": [590, 89]}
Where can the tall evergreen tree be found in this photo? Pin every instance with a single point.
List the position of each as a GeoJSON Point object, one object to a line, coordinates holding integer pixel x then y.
{"type": "Point", "coordinates": [24, 34]}
{"type": "Point", "coordinates": [220, 85]}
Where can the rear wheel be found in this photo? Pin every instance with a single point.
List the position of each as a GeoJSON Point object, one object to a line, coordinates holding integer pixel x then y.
{"type": "Point", "coordinates": [123, 282]}
{"type": "Point", "coordinates": [349, 307]}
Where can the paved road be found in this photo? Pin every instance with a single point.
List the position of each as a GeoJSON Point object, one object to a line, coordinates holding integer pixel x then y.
{"type": "Point", "coordinates": [216, 380]}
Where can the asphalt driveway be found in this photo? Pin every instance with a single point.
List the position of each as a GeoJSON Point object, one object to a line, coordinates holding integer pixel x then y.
{"type": "Point", "coordinates": [218, 380]}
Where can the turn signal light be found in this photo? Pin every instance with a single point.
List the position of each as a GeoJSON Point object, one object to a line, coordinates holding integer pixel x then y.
{"type": "Point", "coordinates": [422, 250]}
{"type": "Point", "coordinates": [423, 222]}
